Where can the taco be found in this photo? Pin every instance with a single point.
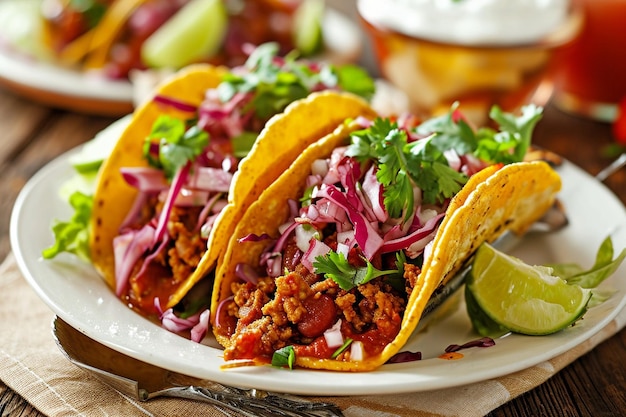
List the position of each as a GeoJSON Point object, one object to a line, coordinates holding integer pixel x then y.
{"type": "Point", "coordinates": [161, 193]}
{"type": "Point", "coordinates": [335, 262]}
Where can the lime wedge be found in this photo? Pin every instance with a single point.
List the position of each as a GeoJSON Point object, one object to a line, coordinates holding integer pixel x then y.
{"type": "Point", "coordinates": [195, 32]}
{"type": "Point", "coordinates": [307, 35]}
{"type": "Point", "coordinates": [522, 298]}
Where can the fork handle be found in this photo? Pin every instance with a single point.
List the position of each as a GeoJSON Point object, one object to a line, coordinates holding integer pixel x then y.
{"type": "Point", "coordinates": [269, 406]}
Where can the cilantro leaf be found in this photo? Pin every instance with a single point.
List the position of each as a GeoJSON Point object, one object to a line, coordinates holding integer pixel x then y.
{"type": "Point", "coordinates": [449, 132]}
{"type": "Point", "coordinates": [335, 266]}
{"type": "Point", "coordinates": [417, 158]}
{"type": "Point", "coordinates": [512, 142]}
{"type": "Point", "coordinates": [177, 144]}
{"type": "Point", "coordinates": [402, 165]}
{"type": "Point", "coordinates": [396, 280]}
{"type": "Point", "coordinates": [429, 169]}
{"type": "Point", "coordinates": [73, 236]}
{"type": "Point", "coordinates": [355, 80]}
{"type": "Point", "coordinates": [284, 357]}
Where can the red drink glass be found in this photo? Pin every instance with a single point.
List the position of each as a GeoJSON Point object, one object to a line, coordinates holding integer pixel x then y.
{"type": "Point", "coordinates": [590, 74]}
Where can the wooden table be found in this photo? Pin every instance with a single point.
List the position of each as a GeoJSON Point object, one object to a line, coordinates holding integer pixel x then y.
{"type": "Point", "coordinates": [594, 385]}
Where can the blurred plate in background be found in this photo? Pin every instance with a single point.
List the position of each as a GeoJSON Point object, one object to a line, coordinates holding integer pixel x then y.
{"type": "Point", "coordinates": [91, 93]}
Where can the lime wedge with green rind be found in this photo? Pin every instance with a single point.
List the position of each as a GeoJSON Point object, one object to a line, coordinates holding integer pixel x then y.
{"type": "Point", "coordinates": [307, 27]}
{"type": "Point", "coordinates": [522, 298]}
{"type": "Point", "coordinates": [195, 32]}
{"type": "Point", "coordinates": [481, 322]}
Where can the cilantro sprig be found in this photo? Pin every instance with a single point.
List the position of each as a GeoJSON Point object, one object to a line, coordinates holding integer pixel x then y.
{"type": "Point", "coordinates": [335, 266]}
{"type": "Point", "coordinates": [402, 165]}
{"type": "Point", "coordinates": [275, 82]}
{"type": "Point", "coordinates": [178, 144]}
{"type": "Point", "coordinates": [416, 158]}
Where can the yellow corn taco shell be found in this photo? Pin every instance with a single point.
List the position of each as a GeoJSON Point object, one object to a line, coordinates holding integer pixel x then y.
{"type": "Point", "coordinates": [280, 142]}
{"type": "Point", "coordinates": [494, 200]}
{"type": "Point", "coordinates": [113, 196]}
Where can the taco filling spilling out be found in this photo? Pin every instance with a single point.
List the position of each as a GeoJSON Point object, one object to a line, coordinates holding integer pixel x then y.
{"type": "Point", "coordinates": [334, 263]}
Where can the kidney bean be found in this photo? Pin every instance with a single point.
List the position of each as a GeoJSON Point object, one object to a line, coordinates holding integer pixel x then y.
{"type": "Point", "coordinates": [321, 314]}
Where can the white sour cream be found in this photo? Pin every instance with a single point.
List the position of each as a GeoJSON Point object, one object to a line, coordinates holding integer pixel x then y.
{"type": "Point", "coordinates": [469, 22]}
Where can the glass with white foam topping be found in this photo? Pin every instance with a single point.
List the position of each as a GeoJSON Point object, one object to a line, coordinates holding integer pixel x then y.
{"type": "Point", "coordinates": [476, 52]}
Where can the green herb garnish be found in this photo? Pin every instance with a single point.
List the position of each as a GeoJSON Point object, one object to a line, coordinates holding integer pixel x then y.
{"type": "Point", "coordinates": [404, 162]}
{"type": "Point", "coordinates": [178, 144]}
{"type": "Point", "coordinates": [512, 142]}
{"type": "Point", "coordinates": [341, 348]}
{"type": "Point", "coordinates": [335, 266]}
{"type": "Point", "coordinates": [402, 165]}
{"type": "Point", "coordinates": [284, 357]}
{"type": "Point", "coordinates": [603, 267]}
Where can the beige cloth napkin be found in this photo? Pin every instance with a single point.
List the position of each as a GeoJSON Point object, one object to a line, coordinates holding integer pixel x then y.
{"type": "Point", "coordinates": [31, 365]}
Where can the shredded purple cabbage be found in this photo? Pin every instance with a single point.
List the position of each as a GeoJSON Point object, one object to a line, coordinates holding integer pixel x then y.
{"type": "Point", "coordinates": [406, 356]}
{"type": "Point", "coordinates": [220, 307]}
{"type": "Point", "coordinates": [128, 248]}
{"type": "Point", "coordinates": [482, 342]}
{"type": "Point", "coordinates": [174, 103]}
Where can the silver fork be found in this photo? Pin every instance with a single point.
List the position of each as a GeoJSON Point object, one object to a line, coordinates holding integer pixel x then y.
{"type": "Point", "coordinates": [612, 168]}
{"type": "Point", "coordinates": [144, 381]}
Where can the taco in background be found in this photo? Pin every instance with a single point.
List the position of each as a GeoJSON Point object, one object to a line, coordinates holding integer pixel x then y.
{"type": "Point", "coordinates": [332, 267]}
{"type": "Point", "coordinates": [117, 37]}
{"type": "Point", "coordinates": [161, 192]}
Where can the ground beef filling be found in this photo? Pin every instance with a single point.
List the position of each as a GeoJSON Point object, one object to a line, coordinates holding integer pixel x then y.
{"type": "Point", "coordinates": [172, 266]}
{"type": "Point", "coordinates": [296, 309]}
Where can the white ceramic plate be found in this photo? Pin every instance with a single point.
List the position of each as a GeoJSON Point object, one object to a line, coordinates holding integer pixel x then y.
{"type": "Point", "coordinates": [79, 296]}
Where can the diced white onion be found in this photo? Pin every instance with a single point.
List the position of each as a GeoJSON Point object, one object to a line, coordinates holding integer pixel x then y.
{"type": "Point", "coordinates": [333, 336]}
{"type": "Point", "coordinates": [356, 351]}
{"type": "Point", "coordinates": [319, 167]}
{"type": "Point", "coordinates": [316, 249]}
{"type": "Point", "coordinates": [343, 249]}
{"type": "Point", "coordinates": [345, 236]}
{"type": "Point", "coordinates": [304, 234]}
